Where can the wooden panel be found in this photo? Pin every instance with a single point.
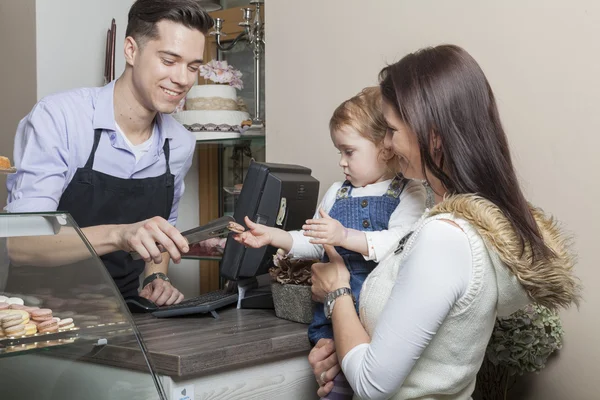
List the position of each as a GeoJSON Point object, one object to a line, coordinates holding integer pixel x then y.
{"type": "Point", "coordinates": [208, 193]}
{"type": "Point", "coordinates": [199, 345]}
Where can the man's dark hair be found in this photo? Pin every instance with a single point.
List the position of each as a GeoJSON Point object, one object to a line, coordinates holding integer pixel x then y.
{"type": "Point", "coordinates": [145, 14]}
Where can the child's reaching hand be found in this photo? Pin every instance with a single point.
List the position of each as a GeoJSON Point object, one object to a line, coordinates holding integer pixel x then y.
{"type": "Point", "coordinates": [325, 230]}
{"type": "Point", "coordinates": [256, 236]}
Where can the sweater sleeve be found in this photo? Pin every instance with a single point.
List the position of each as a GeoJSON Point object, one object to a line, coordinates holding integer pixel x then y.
{"type": "Point", "coordinates": [433, 277]}
{"type": "Point", "coordinates": [409, 210]}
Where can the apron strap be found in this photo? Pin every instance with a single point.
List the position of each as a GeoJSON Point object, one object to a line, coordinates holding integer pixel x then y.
{"type": "Point", "coordinates": [166, 150]}
{"type": "Point", "coordinates": [90, 162]}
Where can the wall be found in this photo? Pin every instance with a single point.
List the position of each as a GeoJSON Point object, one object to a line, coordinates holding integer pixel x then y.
{"type": "Point", "coordinates": [541, 58]}
{"type": "Point", "coordinates": [71, 42]}
{"type": "Point", "coordinates": [17, 72]}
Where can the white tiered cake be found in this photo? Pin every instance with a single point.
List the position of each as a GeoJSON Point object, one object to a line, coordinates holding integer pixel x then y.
{"type": "Point", "coordinates": [208, 105]}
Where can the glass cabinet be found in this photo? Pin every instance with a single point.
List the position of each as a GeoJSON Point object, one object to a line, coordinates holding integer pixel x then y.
{"type": "Point", "coordinates": [62, 319]}
{"type": "Point", "coordinates": [222, 166]}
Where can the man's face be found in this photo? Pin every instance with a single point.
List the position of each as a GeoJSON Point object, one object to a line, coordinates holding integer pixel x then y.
{"type": "Point", "coordinates": [164, 69]}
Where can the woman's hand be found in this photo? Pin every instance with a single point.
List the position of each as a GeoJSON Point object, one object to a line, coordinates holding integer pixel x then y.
{"type": "Point", "coordinates": [327, 277]}
{"type": "Point", "coordinates": [256, 236]}
{"type": "Point", "coordinates": [323, 360]}
{"type": "Point", "coordinates": [325, 230]}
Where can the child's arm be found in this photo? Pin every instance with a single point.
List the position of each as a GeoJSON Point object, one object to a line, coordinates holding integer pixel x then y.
{"type": "Point", "coordinates": [259, 235]}
{"type": "Point", "coordinates": [292, 241]}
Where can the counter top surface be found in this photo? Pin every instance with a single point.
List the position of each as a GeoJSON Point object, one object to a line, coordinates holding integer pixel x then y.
{"type": "Point", "coordinates": [198, 344]}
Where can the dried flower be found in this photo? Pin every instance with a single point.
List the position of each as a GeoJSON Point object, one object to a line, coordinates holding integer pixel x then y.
{"type": "Point", "coordinates": [287, 270]}
{"type": "Point", "coordinates": [523, 341]}
{"type": "Point", "coordinates": [221, 72]}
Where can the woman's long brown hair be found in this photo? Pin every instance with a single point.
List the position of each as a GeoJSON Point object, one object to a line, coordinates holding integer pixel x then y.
{"type": "Point", "coordinates": [443, 90]}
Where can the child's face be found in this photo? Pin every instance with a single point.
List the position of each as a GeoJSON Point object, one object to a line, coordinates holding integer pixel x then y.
{"type": "Point", "coordinates": [359, 158]}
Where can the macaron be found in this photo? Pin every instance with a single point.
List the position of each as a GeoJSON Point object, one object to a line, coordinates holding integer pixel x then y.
{"type": "Point", "coordinates": [17, 330]}
{"type": "Point", "coordinates": [15, 300]}
{"type": "Point", "coordinates": [3, 299]}
{"type": "Point", "coordinates": [12, 320]}
{"type": "Point", "coordinates": [30, 328]}
{"type": "Point", "coordinates": [66, 323]}
{"type": "Point", "coordinates": [21, 307]}
{"type": "Point", "coordinates": [8, 317]}
{"type": "Point", "coordinates": [4, 305]}
{"type": "Point", "coordinates": [42, 314]}
{"type": "Point", "coordinates": [47, 326]}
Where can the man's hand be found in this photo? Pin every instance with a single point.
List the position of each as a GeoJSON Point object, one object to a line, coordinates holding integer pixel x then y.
{"type": "Point", "coordinates": [146, 236]}
{"type": "Point", "coordinates": [325, 230]}
{"type": "Point", "coordinates": [161, 292]}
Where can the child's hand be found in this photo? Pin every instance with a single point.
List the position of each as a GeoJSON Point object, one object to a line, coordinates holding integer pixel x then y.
{"type": "Point", "coordinates": [325, 230]}
{"type": "Point", "coordinates": [256, 236]}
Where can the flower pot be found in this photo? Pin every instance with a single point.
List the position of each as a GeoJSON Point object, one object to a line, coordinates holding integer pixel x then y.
{"type": "Point", "coordinates": [293, 302]}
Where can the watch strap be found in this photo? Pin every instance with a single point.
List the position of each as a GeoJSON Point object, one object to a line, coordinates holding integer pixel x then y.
{"type": "Point", "coordinates": [332, 296]}
{"type": "Point", "coordinates": [152, 277]}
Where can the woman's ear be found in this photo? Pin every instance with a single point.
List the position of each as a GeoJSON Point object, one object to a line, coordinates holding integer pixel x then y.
{"type": "Point", "coordinates": [436, 143]}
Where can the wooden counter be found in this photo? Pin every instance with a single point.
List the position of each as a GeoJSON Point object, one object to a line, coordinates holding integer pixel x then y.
{"type": "Point", "coordinates": [198, 345]}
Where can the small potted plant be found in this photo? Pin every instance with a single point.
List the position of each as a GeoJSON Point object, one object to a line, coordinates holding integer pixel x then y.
{"type": "Point", "coordinates": [520, 343]}
{"type": "Point", "coordinates": [291, 287]}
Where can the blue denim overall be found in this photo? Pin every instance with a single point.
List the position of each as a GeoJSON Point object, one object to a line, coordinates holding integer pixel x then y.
{"type": "Point", "coordinates": [368, 213]}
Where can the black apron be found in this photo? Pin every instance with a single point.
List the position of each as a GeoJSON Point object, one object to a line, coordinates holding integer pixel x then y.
{"type": "Point", "coordinates": [94, 198]}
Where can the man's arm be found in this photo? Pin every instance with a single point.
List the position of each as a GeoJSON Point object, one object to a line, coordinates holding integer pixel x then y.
{"type": "Point", "coordinates": [67, 248]}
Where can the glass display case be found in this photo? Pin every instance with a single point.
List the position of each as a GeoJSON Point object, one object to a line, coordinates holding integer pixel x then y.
{"type": "Point", "coordinates": [62, 318]}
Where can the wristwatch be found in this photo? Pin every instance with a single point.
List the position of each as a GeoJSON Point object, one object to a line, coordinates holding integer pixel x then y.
{"type": "Point", "coordinates": [156, 275]}
{"type": "Point", "coordinates": [330, 299]}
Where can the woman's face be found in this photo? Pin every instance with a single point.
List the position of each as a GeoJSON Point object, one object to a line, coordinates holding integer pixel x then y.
{"type": "Point", "coordinates": [403, 142]}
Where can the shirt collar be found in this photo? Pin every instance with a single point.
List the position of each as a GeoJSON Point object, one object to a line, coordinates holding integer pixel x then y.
{"type": "Point", "coordinates": [104, 113]}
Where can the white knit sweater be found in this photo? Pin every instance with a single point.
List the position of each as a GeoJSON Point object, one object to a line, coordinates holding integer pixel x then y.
{"type": "Point", "coordinates": [447, 367]}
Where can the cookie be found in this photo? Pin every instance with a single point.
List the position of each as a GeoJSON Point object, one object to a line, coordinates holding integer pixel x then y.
{"type": "Point", "coordinates": [66, 323]}
{"type": "Point", "coordinates": [48, 326]}
{"type": "Point", "coordinates": [30, 328]}
{"type": "Point", "coordinates": [42, 314]}
{"type": "Point", "coordinates": [17, 330]}
{"type": "Point", "coordinates": [4, 163]}
{"type": "Point", "coordinates": [15, 300]}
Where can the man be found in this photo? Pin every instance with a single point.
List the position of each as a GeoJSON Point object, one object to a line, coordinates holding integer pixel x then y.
{"type": "Point", "coordinates": [113, 158]}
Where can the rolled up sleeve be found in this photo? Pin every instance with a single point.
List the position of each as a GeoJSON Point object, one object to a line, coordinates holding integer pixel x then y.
{"type": "Point", "coordinates": [41, 156]}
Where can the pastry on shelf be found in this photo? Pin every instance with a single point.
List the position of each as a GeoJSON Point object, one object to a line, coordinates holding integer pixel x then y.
{"type": "Point", "coordinates": [5, 166]}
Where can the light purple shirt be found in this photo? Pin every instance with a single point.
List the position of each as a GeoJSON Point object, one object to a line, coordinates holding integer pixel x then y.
{"type": "Point", "coordinates": [56, 138]}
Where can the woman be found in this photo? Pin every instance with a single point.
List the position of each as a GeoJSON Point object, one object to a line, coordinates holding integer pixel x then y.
{"type": "Point", "coordinates": [427, 311]}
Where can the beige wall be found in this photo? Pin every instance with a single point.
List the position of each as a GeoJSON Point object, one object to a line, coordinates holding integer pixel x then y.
{"type": "Point", "coordinates": [71, 42]}
{"type": "Point", "coordinates": [17, 72]}
{"type": "Point", "coordinates": [541, 57]}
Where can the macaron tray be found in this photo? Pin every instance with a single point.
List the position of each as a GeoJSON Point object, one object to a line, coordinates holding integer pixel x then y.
{"type": "Point", "coordinates": [26, 327]}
